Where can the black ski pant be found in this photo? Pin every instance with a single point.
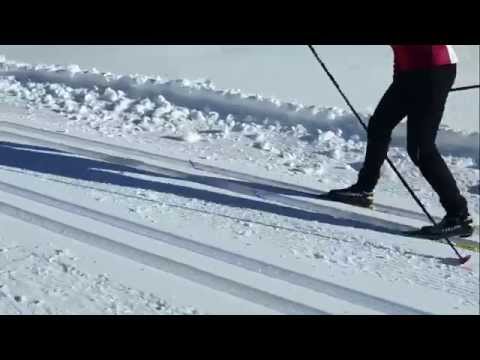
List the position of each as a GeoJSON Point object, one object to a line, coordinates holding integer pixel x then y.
{"type": "Point", "coordinates": [419, 95]}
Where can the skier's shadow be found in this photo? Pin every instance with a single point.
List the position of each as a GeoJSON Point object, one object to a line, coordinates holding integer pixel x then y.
{"type": "Point", "coordinates": [54, 162]}
{"type": "Point", "coordinates": [474, 189]}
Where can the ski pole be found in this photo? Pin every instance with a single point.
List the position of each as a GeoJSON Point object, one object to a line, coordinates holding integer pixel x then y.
{"type": "Point", "coordinates": [465, 88]}
{"type": "Point", "coordinates": [463, 259]}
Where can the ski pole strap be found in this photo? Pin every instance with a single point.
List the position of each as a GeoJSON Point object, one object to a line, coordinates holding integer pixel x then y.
{"type": "Point", "coordinates": [465, 88]}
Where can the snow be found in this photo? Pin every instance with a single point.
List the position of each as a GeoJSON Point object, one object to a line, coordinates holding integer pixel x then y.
{"type": "Point", "coordinates": [146, 104]}
{"type": "Point", "coordinates": [286, 72]}
{"type": "Point", "coordinates": [192, 137]}
{"type": "Point", "coordinates": [134, 194]}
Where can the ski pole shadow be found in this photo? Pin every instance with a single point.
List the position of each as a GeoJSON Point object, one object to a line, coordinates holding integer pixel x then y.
{"type": "Point", "coordinates": [444, 261]}
{"type": "Point", "coordinates": [48, 161]}
{"type": "Point", "coordinates": [175, 138]}
{"type": "Point", "coordinates": [474, 189]}
{"type": "Point", "coordinates": [210, 132]}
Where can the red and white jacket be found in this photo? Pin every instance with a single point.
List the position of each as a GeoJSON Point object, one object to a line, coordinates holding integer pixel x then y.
{"type": "Point", "coordinates": [415, 57]}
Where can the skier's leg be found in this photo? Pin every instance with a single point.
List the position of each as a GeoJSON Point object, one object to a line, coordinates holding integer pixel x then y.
{"type": "Point", "coordinates": [389, 112]}
{"type": "Point", "coordinates": [428, 97]}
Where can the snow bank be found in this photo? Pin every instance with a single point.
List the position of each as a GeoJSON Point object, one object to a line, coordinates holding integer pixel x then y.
{"type": "Point", "coordinates": [138, 103]}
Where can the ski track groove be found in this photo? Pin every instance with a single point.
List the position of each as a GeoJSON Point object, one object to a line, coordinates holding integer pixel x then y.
{"type": "Point", "coordinates": [208, 168]}
{"type": "Point", "coordinates": [246, 263]}
{"type": "Point", "coordinates": [165, 264]}
{"type": "Point", "coordinates": [431, 282]}
{"type": "Point", "coordinates": [328, 209]}
{"type": "Point", "coordinates": [11, 303]}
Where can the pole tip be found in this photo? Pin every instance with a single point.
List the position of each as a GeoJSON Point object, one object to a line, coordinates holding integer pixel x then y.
{"type": "Point", "coordinates": [464, 259]}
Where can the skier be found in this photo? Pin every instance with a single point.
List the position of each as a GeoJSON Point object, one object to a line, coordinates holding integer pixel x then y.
{"type": "Point", "coordinates": [423, 77]}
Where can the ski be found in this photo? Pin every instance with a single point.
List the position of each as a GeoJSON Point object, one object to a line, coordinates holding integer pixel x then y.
{"type": "Point", "coordinates": [352, 201]}
{"type": "Point", "coordinates": [460, 241]}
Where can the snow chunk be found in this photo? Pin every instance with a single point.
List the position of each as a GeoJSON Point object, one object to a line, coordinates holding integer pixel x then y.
{"type": "Point", "coordinates": [192, 137]}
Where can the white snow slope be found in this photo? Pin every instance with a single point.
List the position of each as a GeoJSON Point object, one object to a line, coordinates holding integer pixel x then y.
{"type": "Point", "coordinates": [137, 195]}
{"type": "Point", "coordinates": [287, 72]}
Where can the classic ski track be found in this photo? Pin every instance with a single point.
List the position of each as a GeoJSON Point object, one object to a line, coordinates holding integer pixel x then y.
{"type": "Point", "coordinates": [208, 168]}
{"type": "Point", "coordinates": [460, 292]}
{"type": "Point", "coordinates": [243, 262]}
{"type": "Point", "coordinates": [433, 282]}
{"type": "Point", "coordinates": [19, 309]}
{"type": "Point", "coordinates": [329, 208]}
{"type": "Point", "coordinates": [232, 287]}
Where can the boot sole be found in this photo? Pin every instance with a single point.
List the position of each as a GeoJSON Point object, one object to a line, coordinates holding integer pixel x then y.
{"type": "Point", "coordinates": [443, 236]}
{"type": "Point", "coordinates": [363, 203]}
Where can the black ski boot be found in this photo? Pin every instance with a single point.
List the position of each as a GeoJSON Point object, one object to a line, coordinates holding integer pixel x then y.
{"type": "Point", "coordinates": [450, 226]}
{"type": "Point", "coordinates": [352, 195]}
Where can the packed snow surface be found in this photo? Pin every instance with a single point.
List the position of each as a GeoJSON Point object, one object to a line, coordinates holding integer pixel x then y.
{"type": "Point", "coordinates": [132, 194]}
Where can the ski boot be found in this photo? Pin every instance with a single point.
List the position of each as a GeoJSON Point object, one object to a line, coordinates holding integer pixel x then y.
{"type": "Point", "coordinates": [351, 195]}
{"type": "Point", "coordinates": [450, 226]}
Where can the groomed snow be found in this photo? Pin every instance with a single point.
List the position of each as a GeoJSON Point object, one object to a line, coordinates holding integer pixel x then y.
{"type": "Point", "coordinates": [313, 147]}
